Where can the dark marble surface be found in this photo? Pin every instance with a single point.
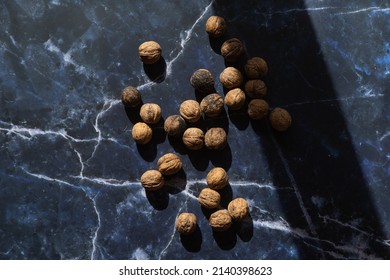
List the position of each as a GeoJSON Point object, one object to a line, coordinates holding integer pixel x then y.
{"type": "Point", "coordinates": [69, 170]}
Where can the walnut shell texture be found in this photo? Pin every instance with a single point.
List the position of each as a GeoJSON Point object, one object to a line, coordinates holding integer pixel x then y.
{"type": "Point", "coordinates": [131, 97]}
{"type": "Point", "coordinates": [174, 125]}
{"type": "Point", "coordinates": [216, 26]}
{"type": "Point", "coordinates": [209, 198]}
{"type": "Point", "coordinates": [255, 88]}
{"type": "Point", "coordinates": [212, 105]}
{"type": "Point", "coordinates": [232, 50]}
{"type": "Point", "coordinates": [186, 223]}
{"type": "Point", "coordinates": [220, 220]}
{"type": "Point", "coordinates": [202, 80]}
{"type": "Point", "coordinates": [231, 77]}
{"type": "Point", "coordinates": [141, 133]}
{"type": "Point", "coordinates": [280, 119]}
{"type": "Point", "coordinates": [238, 209]}
{"type": "Point", "coordinates": [169, 164]}
{"type": "Point", "coordinates": [257, 109]}
{"type": "Point", "coordinates": [149, 52]}
{"type": "Point", "coordinates": [152, 180]}
{"type": "Point", "coordinates": [235, 99]}
{"type": "Point", "coordinates": [150, 113]}
{"type": "Point", "coordinates": [217, 178]}
{"type": "Point", "coordinates": [256, 68]}
{"type": "Point", "coordinates": [190, 111]}
{"type": "Point", "coordinates": [193, 138]}
{"type": "Point", "coordinates": [215, 138]}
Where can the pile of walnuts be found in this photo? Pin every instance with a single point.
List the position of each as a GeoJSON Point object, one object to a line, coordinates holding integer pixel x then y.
{"type": "Point", "coordinates": [240, 88]}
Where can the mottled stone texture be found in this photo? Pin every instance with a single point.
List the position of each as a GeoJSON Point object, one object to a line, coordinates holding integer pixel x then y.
{"type": "Point", "coordinates": [69, 170]}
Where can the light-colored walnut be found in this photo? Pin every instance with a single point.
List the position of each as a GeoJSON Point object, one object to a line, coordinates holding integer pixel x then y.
{"type": "Point", "coordinates": [215, 26]}
{"type": "Point", "coordinates": [209, 198]}
{"type": "Point", "coordinates": [169, 164]}
{"type": "Point", "coordinates": [235, 99]}
{"type": "Point", "coordinates": [150, 113]}
{"type": "Point", "coordinates": [217, 178]}
{"type": "Point", "coordinates": [220, 220]}
{"type": "Point", "coordinates": [152, 180]}
{"type": "Point", "coordinates": [238, 209]}
{"type": "Point", "coordinates": [215, 138]}
{"type": "Point", "coordinates": [186, 223]}
{"type": "Point", "coordinates": [190, 111]}
{"type": "Point", "coordinates": [231, 78]}
{"type": "Point", "coordinates": [141, 133]}
{"type": "Point", "coordinates": [149, 52]}
{"type": "Point", "coordinates": [193, 138]}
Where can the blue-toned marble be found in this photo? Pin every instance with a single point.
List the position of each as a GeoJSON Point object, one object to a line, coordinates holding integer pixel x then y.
{"type": "Point", "coordinates": [69, 170]}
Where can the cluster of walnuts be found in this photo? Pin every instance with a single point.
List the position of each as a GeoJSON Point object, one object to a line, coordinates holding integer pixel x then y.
{"type": "Point", "coordinates": [183, 125]}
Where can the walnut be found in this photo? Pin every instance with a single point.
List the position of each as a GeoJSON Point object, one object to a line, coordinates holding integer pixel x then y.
{"type": "Point", "coordinates": [209, 198]}
{"type": "Point", "coordinates": [174, 125]}
{"type": "Point", "coordinates": [220, 220]}
{"type": "Point", "coordinates": [186, 223]}
{"type": "Point", "coordinates": [169, 164]}
{"type": "Point", "coordinates": [149, 52]}
{"type": "Point", "coordinates": [150, 113]}
{"type": "Point", "coordinates": [256, 68]}
{"type": "Point", "coordinates": [232, 50]}
{"type": "Point", "coordinates": [212, 105]}
{"type": "Point", "coordinates": [238, 209]}
{"type": "Point", "coordinates": [235, 99]}
{"type": "Point", "coordinates": [280, 119]}
{"type": "Point", "coordinates": [141, 133]}
{"type": "Point", "coordinates": [202, 80]}
{"type": "Point", "coordinates": [215, 138]}
{"type": "Point", "coordinates": [131, 97]}
{"type": "Point", "coordinates": [257, 109]}
{"type": "Point", "coordinates": [255, 88]}
{"type": "Point", "coordinates": [215, 26]}
{"type": "Point", "coordinates": [152, 180]}
{"type": "Point", "coordinates": [217, 178]}
{"type": "Point", "coordinates": [231, 78]}
{"type": "Point", "coordinates": [190, 111]}
{"type": "Point", "coordinates": [193, 138]}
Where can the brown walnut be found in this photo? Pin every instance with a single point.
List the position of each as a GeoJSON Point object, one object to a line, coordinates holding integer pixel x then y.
{"type": "Point", "coordinates": [186, 223]}
{"type": "Point", "coordinates": [149, 52]}
{"type": "Point", "coordinates": [220, 220]}
{"type": "Point", "coordinates": [174, 125]}
{"type": "Point", "coordinates": [131, 97]}
{"type": "Point", "coordinates": [232, 50]}
{"type": "Point", "coordinates": [235, 99]}
{"type": "Point", "coordinates": [215, 138]}
{"type": "Point", "coordinates": [209, 198]}
{"type": "Point", "coordinates": [256, 68]}
{"type": "Point", "coordinates": [215, 26]}
{"type": "Point", "coordinates": [280, 119]}
{"type": "Point", "coordinates": [231, 78]}
{"type": "Point", "coordinates": [255, 88]}
{"type": "Point", "coordinates": [193, 138]}
{"type": "Point", "coordinates": [150, 113]}
{"type": "Point", "coordinates": [217, 178]}
{"type": "Point", "coordinates": [152, 180]}
{"type": "Point", "coordinates": [212, 105]}
{"type": "Point", "coordinates": [257, 109]}
{"type": "Point", "coordinates": [202, 80]}
{"type": "Point", "coordinates": [169, 164]}
{"type": "Point", "coordinates": [141, 133]}
{"type": "Point", "coordinates": [190, 111]}
{"type": "Point", "coordinates": [238, 209]}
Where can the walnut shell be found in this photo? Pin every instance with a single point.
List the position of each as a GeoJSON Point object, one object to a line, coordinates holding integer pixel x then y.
{"type": "Point", "coordinates": [217, 178]}
{"type": "Point", "coordinates": [209, 198]}
{"type": "Point", "coordinates": [280, 119]}
{"type": "Point", "coordinates": [193, 138]}
{"type": "Point", "coordinates": [257, 109]}
{"type": "Point", "coordinates": [220, 220]}
{"type": "Point", "coordinates": [169, 164]}
{"type": "Point", "coordinates": [149, 52]}
{"type": "Point", "coordinates": [131, 97]}
{"type": "Point", "coordinates": [215, 26]}
{"type": "Point", "coordinates": [190, 111]}
{"type": "Point", "coordinates": [150, 113]}
{"type": "Point", "coordinates": [212, 105]}
{"type": "Point", "coordinates": [235, 99]}
{"type": "Point", "coordinates": [256, 68]}
{"type": "Point", "coordinates": [232, 50]}
{"type": "Point", "coordinates": [255, 88]}
{"type": "Point", "coordinates": [152, 180]}
{"type": "Point", "coordinates": [202, 80]}
{"type": "Point", "coordinates": [231, 78]}
{"type": "Point", "coordinates": [174, 125]}
{"type": "Point", "coordinates": [186, 223]}
{"type": "Point", "coordinates": [215, 138]}
{"type": "Point", "coordinates": [141, 133]}
{"type": "Point", "coordinates": [238, 209]}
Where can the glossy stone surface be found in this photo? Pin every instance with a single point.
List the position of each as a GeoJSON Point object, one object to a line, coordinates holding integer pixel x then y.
{"type": "Point", "coordinates": [69, 170]}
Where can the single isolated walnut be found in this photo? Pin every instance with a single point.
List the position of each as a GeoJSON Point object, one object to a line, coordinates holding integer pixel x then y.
{"type": "Point", "coordinates": [231, 77]}
{"type": "Point", "coordinates": [149, 52]}
{"type": "Point", "coordinates": [131, 97]}
{"type": "Point", "coordinates": [238, 209]}
{"type": "Point", "coordinates": [190, 111]}
{"type": "Point", "coordinates": [169, 164]}
{"type": "Point", "coordinates": [257, 109]}
{"type": "Point", "coordinates": [212, 105]}
{"type": "Point", "coordinates": [235, 99]}
{"type": "Point", "coordinates": [256, 68]}
{"type": "Point", "coordinates": [215, 138]}
{"type": "Point", "coordinates": [232, 50]}
{"type": "Point", "coordinates": [141, 133]}
{"type": "Point", "coordinates": [193, 138]}
{"type": "Point", "coordinates": [280, 119]}
{"type": "Point", "coordinates": [186, 223]}
{"type": "Point", "coordinates": [215, 26]}
{"type": "Point", "coordinates": [150, 113]}
{"type": "Point", "coordinates": [255, 88]}
{"type": "Point", "coordinates": [220, 220]}
{"type": "Point", "coordinates": [174, 125]}
{"type": "Point", "coordinates": [209, 198]}
{"type": "Point", "coordinates": [217, 178]}
{"type": "Point", "coordinates": [152, 180]}
{"type": "Point", "coordinates": [202, 80]}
